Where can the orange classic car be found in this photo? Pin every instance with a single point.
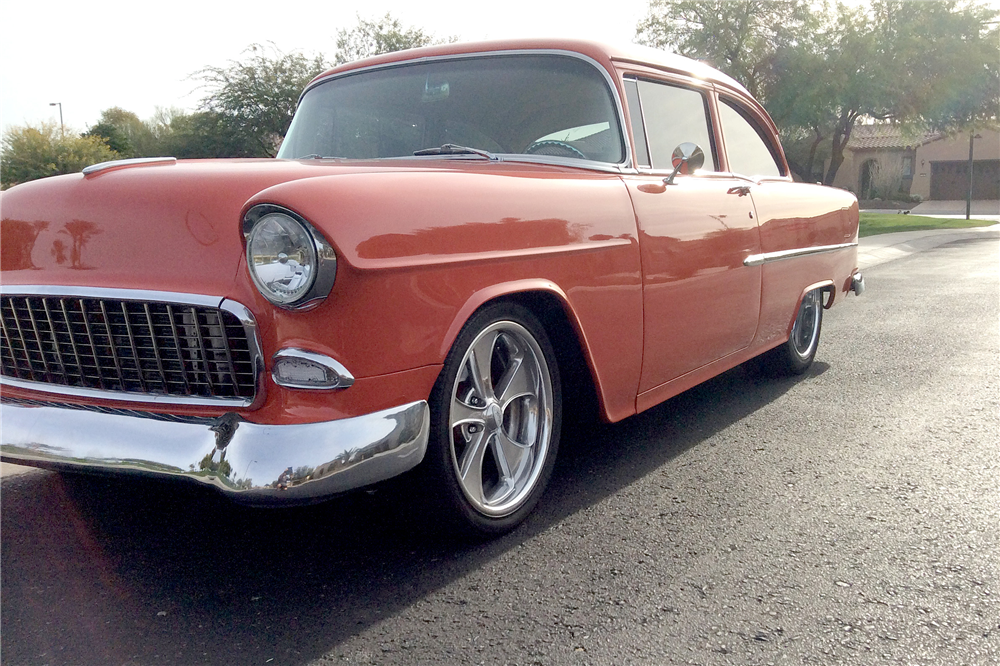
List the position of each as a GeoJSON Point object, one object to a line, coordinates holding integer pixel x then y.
{"type": "Point", "coordinates": [456, 246]}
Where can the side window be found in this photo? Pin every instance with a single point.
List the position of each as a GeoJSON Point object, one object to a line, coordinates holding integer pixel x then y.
{"type": "Point", "coordinates": [673, 116]}
{"type": "Point", "coordinates": [749, 154]}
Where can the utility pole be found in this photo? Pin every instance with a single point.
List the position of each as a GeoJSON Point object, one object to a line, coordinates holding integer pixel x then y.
{"type": "Point", "coordinates": [968, 198]}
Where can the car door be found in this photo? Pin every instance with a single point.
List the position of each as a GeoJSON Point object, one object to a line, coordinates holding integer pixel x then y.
{"type": "Point", "coordinates": [701, 303]}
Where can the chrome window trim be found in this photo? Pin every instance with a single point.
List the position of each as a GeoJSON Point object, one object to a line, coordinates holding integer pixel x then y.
{"type": "Point", "coordinates": [772, 143]}
{"type": "Point", "coordinates": [770, 257]}
{"type": "Point", "coordinates": [756, 180]}
{"type": "Point", "coordinates": [519, 157]}
{"type": "Point", "coordinates": [241, 312]}
{"type": "Point", "coordinates": [705, 93]}
{"type": "Point", "coordinates": [642, 122]}
{"type": "Point", "coordinates": [555, 160]}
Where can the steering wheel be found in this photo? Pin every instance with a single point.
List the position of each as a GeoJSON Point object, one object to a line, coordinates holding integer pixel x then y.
{"type": "Point", "coordinates": [536, 147]}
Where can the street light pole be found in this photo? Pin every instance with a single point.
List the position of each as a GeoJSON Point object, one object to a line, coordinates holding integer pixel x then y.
{"type": "Point", "coordinates": [62, 127]}
{"type": "Point", "coordinates": [968, 199]}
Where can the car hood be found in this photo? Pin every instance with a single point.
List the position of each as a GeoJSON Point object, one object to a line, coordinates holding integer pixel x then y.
{"type": "Point", "coordinates": [165, 226]}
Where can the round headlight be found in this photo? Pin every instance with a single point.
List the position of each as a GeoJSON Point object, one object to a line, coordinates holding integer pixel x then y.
{"type": "Point", "coordinates": [282, 258]}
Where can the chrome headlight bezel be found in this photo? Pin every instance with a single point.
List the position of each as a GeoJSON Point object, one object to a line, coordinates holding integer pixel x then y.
{"type": "Point", "coordinates": [324, 271]}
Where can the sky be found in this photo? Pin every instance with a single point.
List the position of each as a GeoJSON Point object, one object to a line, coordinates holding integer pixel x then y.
{"type": "Point", "coordinates": [94, 55]}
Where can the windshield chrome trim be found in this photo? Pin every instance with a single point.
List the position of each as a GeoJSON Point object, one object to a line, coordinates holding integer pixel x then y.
{"type": "Point", "coordinates": [608, 79]}
{"type": "Point", "coordinates": [239, 310]}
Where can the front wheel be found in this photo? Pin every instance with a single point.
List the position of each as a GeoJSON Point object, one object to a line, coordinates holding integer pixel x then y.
{"type": "Point", "coordinates": [495, 417]}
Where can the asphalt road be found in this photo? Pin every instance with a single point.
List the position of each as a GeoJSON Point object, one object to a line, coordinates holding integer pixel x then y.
{"type": "Point", "coordinates": [851, 516]}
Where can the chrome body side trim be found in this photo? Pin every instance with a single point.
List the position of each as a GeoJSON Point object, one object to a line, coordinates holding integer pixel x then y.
{"type": "Point", "coordinates": [769, 257]}
{"type": "Point", "coordinates": [240, 311]}
{"type": "Point", "coordinates": [250, 462]}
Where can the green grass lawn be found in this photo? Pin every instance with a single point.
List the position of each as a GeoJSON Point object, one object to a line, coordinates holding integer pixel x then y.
{"type": "Point", "coordinates": [885, 223]}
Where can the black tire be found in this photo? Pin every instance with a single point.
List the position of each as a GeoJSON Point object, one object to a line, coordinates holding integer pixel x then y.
{"type": "Point", "coordinates": [495, 422]}
{"type": "Point", "coordinates": [797, 354]}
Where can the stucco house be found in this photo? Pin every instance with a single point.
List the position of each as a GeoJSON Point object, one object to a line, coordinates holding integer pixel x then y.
{"type": "Point", "coordinates": [881, 159]}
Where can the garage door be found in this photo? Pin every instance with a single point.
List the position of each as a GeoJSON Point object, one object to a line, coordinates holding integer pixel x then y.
{"type": "Point", "coordinates": [950, 180]}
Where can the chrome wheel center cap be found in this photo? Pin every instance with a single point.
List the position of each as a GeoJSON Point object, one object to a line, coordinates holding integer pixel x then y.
{"type": "Point", "coordinates": [494, 416]}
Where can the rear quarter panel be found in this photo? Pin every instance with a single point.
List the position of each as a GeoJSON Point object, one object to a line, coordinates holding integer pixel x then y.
{"type": "Point", "coordinates": [801, 215]}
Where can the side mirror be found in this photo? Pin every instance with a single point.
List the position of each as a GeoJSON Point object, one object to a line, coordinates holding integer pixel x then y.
{"type": "Point", "coordinates": [687, 158]}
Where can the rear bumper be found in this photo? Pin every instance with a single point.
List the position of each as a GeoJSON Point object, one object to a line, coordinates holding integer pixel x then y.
{"type": "Point", "coordinates": [250, 462]}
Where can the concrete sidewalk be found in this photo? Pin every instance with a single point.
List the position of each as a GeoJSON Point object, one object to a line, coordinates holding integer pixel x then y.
{"type": "Point", "coordinates": [875, 250]}
{"type": "Point", "coordinates": [872, 251]}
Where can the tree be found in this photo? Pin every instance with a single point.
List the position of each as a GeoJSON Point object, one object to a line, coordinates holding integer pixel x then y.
{"type": "Point", "coordinates": [948, 54]}
{"type": "Point", "coordinates": [826, 82]}
{"type": "Point", "coordinates": [125, 133]}
{"type": "Point", "coordinates": [113, 136]}
{"type": "Point", "coordinates": [798, 100]}
{"type": "Point", "coordinates": [205, 134]}
{"type": "Point", "coordinates": [819, 72]}
{"type": "Point", "coordinates": [919, 64]}
{"type": "Point", "coordinates": [370, 38]}
{"type": "Point", "coordinates": [29, 152]}
{"type": "Point", "coordinates": [255, 99]}
{"type": "Point", "coordinates": [739, 37]}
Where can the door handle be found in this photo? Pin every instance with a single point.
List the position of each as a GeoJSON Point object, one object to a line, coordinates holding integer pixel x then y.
{"type": "Point", "coordinates": [741, 190]}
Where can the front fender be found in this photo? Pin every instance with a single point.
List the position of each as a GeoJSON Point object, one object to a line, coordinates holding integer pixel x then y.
{"type": "Point", "coordinates": [419, 251]}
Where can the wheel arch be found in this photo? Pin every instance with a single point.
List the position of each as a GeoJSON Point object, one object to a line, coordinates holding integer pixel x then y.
{"type": "Point", "coordinates": [828, 287]}
{"type": "Point", "coordinates": [549, 303]}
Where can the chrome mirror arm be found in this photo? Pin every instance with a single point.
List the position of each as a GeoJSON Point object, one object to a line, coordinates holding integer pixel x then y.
{"type": "Point", "coordinates": [687, 157]}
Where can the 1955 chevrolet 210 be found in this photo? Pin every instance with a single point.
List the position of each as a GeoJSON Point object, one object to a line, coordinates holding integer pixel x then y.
{"type": "Point", "coordinates": [454, 244]}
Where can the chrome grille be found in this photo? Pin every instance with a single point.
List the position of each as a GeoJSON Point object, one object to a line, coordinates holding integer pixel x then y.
{"type": "Point", "coordinates": [127, 346]}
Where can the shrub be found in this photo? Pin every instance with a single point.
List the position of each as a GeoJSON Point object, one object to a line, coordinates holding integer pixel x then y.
{"type": "Point", "coordinates": [887, 180]}
{"type": "Point", "coordinates": [30, 152]}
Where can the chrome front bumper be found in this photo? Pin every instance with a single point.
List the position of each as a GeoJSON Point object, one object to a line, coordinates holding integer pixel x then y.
{"type": "Point", "coordinates": [250, 462]}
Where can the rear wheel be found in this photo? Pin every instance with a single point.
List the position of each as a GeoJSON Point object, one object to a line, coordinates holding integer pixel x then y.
{"type": "Point", "coordinates": [495, 417]}
{"type": "Point", "coordinates": [797, 354]}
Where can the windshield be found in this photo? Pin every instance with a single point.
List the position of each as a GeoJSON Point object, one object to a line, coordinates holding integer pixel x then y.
{"type": "Point", "coordinates": [506, 104]}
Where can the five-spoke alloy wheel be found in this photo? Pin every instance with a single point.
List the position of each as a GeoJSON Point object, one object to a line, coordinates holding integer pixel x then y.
{"type": "Point", "coordinates": [495, 419]}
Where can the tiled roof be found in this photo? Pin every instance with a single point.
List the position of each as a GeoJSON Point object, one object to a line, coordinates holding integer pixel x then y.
{"type": "Point", "coordinates": [874, 137]}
